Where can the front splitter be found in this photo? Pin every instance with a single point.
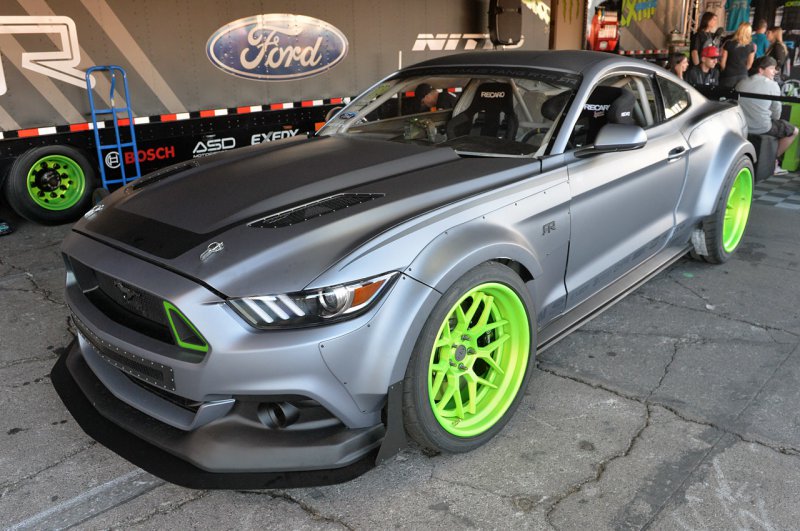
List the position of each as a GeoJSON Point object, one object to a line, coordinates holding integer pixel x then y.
{"type": "Point", "coordinates": [165, 465]}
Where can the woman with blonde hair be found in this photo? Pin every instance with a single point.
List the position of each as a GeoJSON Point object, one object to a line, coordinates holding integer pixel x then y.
{"type": "Point", "coordinates": [777, 49]}
{"type": "Point", "coordinates": [737, 56]}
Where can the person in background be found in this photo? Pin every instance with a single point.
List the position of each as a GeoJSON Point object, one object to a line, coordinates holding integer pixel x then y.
{"type": "Point", "coordinates": [431, 99]}
{"type": "Point", "coordinates": [678, 63]}
{"type": "Point", "coordinates": [763, 116]}
{"type": "Point", "coordinates": [777, 49]}
{"type": "Point", "coordinates": [737, 56]}
{"type": "Point", "coordinates": [705, 74]}
{"type": "Point", "coordinates": [704, 37]}
{"type": "Point", "coordinates": [760, 38]}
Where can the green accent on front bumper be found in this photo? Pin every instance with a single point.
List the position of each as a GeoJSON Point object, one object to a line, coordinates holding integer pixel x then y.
{"type": "Point", "coordinates": [56, 182]}
{"type": "Point", "coordinates": [479, 359]}
{"type": "Point", "coordinates": [190, 332]}
{"type": "Point", "coordinates": [737, 210]}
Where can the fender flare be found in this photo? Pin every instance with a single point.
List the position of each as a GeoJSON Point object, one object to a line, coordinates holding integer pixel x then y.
{"type": "Point", "coordinates": [449, 256]}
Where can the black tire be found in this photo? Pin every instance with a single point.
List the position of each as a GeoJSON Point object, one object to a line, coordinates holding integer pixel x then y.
{"type": "Point", "coordinates": [509, 298]}
{"type": "Point", "coordinates": [715, 248]}
{"type": "Point", "coordinates": [71, 189]}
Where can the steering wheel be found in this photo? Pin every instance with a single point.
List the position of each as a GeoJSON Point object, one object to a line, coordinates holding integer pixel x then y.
{"type": "Point", "coordinates": [535, 131]}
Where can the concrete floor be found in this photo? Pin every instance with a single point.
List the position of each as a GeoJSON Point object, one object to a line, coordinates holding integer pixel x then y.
{"type": "Point", "coordinates": [676, 409]}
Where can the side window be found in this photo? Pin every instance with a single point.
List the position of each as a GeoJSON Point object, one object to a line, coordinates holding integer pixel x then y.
{"type": "Point", "coordinates": [622, 98]}
{"type": "Point", "coordinates": [676, 99]}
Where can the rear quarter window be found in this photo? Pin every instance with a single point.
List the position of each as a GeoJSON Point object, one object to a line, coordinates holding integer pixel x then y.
{"type": "Point", "coordinates": [676, 98]}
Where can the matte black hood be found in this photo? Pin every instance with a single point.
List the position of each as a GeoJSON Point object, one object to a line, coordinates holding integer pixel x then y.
{"type": "Point", "coordinates": [173, 220]}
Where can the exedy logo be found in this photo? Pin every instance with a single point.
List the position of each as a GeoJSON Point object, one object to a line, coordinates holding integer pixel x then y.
{"type": "Point", "coordinates": [276, 47]}
{"type": "Point", "coordinates": [272, 136]}
{"type": "Point", "coordinates": [457, 41]}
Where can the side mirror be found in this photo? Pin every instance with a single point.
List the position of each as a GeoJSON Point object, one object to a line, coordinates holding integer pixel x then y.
{"type": "Point", "coordinates": [615, 137]}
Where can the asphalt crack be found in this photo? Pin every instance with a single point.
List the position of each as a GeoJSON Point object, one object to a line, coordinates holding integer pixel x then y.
{"type": "Point", "coordinates": [308, 509]}
{"type": "Point", "coordinates": [683, 416]}
{"type": "Point", "coordinates": [667, 367]}
{"type": "Point", "coordinates": [163, 509]}
{"type": "Point", "coordinates": [600, 470]}
{"type": "Point", "coordinates": [766, 328]}
{"type": "Point", "coordinates": [8, 488]}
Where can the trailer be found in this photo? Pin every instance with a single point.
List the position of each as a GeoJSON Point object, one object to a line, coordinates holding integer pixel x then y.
{"type": "Point", "coordinates": [205, 77]}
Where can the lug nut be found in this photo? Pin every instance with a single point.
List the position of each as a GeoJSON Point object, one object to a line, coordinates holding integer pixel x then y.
{"type": "Point", "coordinates": [470, 351]}
{"type": "Point", "coordinates": [452, 363]}
{"type": "Point", "coordinates": [462, 366]}
{"type": "Point", "coordinates": [465, 337]}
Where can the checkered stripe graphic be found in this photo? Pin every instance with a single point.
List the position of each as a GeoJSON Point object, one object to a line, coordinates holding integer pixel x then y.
{"type": "Point", "coordinates": [782, 191]}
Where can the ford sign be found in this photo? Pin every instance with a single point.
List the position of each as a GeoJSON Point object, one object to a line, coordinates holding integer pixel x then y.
{"type": "Point", "coordinates": [276, 47]}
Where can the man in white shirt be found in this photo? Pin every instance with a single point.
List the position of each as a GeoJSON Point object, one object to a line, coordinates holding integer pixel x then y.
{"type": "Point", "coordinates": [763, 116]}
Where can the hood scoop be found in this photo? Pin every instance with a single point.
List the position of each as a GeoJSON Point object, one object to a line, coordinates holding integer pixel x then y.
{"type": "Point", "coordinates": [163, 174]}
{"type": "Point", "coordinates": [315, 209]}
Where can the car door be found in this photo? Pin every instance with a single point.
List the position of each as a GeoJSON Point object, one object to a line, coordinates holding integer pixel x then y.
{"type": "Point", "coordinates": [622, 208]}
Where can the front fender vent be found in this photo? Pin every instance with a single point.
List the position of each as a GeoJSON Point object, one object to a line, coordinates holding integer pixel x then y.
{"type": "Point", "coordinates": [315, 209]}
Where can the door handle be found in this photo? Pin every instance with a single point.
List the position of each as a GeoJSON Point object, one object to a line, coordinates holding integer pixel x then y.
{"type": "Point", "coordinates": [676, 153]}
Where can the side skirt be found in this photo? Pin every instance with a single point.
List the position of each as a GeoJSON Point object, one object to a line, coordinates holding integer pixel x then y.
{"type": "Point", "coordinates": [608, 296]}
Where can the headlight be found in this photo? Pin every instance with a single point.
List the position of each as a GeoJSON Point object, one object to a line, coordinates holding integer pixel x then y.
{"type": "Point", "coordinates": [306, 308]}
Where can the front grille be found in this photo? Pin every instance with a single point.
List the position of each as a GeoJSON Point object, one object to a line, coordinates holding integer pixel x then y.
{"type": "Point", "coordinates": [149, 371]}
{"type": "Point", "coordinates": [314, 209]}
{"type": "Point", "coordinates": [131, 298]}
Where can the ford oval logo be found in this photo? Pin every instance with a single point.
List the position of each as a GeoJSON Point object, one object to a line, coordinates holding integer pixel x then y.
{"type": "Point", "coordinates": [277, 47]}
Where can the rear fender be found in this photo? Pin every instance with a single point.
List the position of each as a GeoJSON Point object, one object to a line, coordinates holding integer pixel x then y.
{"type": "Point", "coordinates": [702, 190]}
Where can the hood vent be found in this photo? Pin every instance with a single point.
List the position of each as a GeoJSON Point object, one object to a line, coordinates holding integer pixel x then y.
{"type": "Point", "coordinates": [311, 210]}
{"type": "Point", "coordinates": [163, 174]}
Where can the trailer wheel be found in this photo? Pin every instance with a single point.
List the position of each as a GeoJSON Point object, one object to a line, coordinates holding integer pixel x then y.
{"type": "Point", "coordinates": [50, 184]}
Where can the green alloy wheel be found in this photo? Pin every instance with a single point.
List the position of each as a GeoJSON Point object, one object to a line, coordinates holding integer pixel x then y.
{"type": "Point", "coordinates": [56, 182]}
{"type": "Point", "coordinates": [737, 210]}
{"type": "Point", "coordinates": [723, 230]}
{"type": "Point", "coordinates": [471, 362]}
{"type": "Point", "coordinates": [50, 184]}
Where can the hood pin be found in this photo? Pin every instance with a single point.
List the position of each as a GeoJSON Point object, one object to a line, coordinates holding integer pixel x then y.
{"type": "Point", "coordinates": [213, 247]}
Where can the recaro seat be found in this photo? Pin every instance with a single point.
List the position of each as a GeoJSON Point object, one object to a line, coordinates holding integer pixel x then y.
{"type": "Point", "coordinates": [491, 113]}
{"type": "Point", "coordinates": [605, 105]}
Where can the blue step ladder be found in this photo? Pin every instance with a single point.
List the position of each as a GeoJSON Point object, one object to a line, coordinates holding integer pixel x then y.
{"type": "Point", "coordinates": [114, 71]}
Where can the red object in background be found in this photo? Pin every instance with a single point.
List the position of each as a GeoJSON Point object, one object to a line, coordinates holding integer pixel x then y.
{"type": "Point", "coordinates": [604, 33]}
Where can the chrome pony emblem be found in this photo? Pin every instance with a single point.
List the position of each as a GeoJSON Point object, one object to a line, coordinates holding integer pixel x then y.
{"type": "Point", "coordinates": [213, 247]}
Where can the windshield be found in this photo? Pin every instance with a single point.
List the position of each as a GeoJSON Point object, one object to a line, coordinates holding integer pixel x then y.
{"type": "Point", "coordinates": [479, 115]}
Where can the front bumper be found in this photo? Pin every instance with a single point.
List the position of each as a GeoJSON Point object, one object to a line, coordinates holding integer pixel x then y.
{"type": "Point", "coordinates": [212, 455]}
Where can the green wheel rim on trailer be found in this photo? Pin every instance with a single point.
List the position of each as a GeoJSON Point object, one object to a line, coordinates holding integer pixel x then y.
{"type": "Point", "coordinates": [56, 182]}
{"type": "Point", "coordinates": [479, 359]}
{"type": "Point", "coordinates": [737, 209]}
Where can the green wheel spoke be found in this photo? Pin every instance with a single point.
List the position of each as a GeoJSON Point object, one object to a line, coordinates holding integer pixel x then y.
{"type": "Point", "coordinates": [448, 394]}
{"type": "Point", "coordinates": [737, 209]}
{"type": "Point", "coordinates": [488, 305]}
{"type": "Point", "coordinates": [494, 345]}
{"type": "Point", "coordinates": [437, 382]}
{"type": "Point", "coordinates": [485, 382]}
{"type": "Point", "coordinates": [472, 391]}
{"type": "Point", "coordinates": [485, 356]}
{"type": "Point", "coordinates": [459, 409]}
{"type": "Point", "coordinates": [491, 326]}
{"type": "Point", "coordinates": [473, 309]}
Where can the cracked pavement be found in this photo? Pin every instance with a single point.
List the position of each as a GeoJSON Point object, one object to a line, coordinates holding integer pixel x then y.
{"type": "Point", "coordinates": [675, 409]}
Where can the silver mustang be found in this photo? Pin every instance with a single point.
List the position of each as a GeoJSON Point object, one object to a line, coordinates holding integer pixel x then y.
{"type": "Point", "coordinates": [287, 313]}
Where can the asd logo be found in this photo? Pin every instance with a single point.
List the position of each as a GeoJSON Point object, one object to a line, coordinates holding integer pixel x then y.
{"type": "Point", "coordinates": [276, 47]}
{"type": "Point", "coordinates": [213, 145]}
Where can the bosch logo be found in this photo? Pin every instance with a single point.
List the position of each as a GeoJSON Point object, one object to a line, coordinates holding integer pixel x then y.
{"type": "Point", "coordinates": [213, 145]}
{"type": "Point", "coordinates": [145, 155]}
{"type": "Point", "coordinates": [596, 107]}
{"type": "Point", "coordinates": [276, 47]}
{"type": "Point", "coordinates": [272, 136]}
{"type": "Point", "coordinates": [112, 160]}
{"type": "Point", "coordinates": [493, 95]}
